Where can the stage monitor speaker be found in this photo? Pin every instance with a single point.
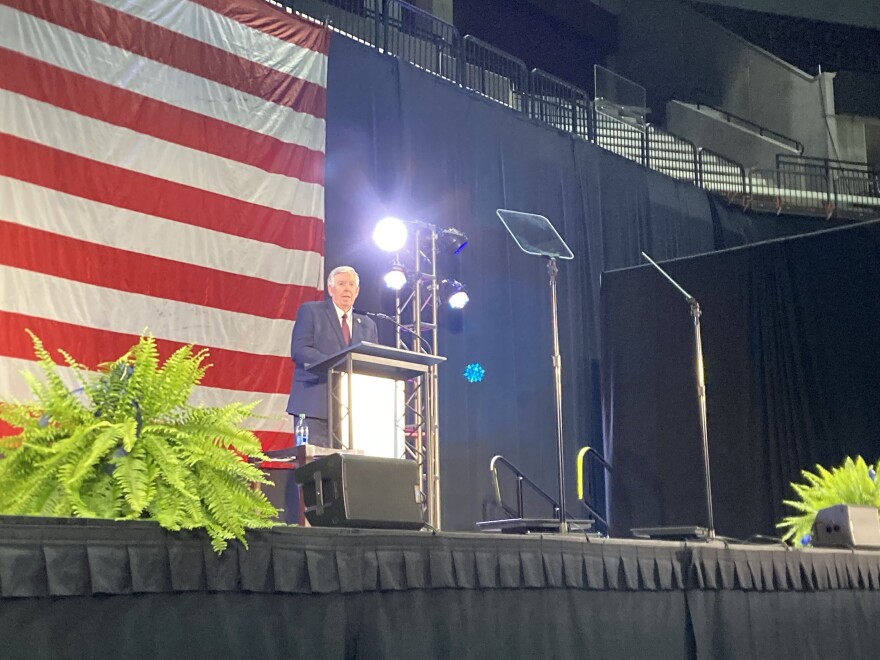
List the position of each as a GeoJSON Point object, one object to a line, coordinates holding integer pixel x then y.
{"type": "Point", "coordinates": [845, 525]}
{"type": "Point", "coordinates": [349, 490]}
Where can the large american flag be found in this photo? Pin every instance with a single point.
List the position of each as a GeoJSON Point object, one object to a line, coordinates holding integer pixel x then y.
{"type": "Point", "coordinates": [161, 168]}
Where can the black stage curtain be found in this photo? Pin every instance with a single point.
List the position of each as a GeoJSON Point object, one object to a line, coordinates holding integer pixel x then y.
{"type": "Point", "coordinates": [742, 625]}
{"type": "Point", "coordinates": [84, 589]}
{"type": "Point", "coordinates": [450, 624]}
{"type": "Point", "coordinates": [80, 589]}
{"type": "Point", "coordinates": [789, 338]}
{"type": "Point", "coordinates": [410, 624]}
{"type": "Point", "coordinates": [404, 142]}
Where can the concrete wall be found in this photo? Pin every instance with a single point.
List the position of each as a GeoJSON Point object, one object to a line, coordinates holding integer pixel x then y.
{"type": "Point", "coordinates": [679, 54]}
{"type": "Point", "coordinates": [864, 13]}
{"type": "Point", "coordinates": [872, 142]}
{"type": "Point", "coordinates": [849, 138]}
{"type": "Point", "coordinates": [736, 143]}
{"type": "Point", "coordinates": [442, 9]}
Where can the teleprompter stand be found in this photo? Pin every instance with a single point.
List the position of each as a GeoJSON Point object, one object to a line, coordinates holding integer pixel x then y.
{"type": "Point", "coordinates": [536, 236]}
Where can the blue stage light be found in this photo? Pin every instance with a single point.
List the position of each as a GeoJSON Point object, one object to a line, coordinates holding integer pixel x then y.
{"type": "Point", "coordinates": [474, 372]}
{"type": "Point", "coordinates": [452, 240]}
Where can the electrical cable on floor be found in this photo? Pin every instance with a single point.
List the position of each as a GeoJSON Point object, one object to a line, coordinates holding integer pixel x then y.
{"type": "Point", "coordinates": [761, 539]}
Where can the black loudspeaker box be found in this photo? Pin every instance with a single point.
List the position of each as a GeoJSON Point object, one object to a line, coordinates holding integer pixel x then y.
{"type": "Point", "coordinates": [349, 490]}
{"type": "Point", "coordinates": [845, 525]}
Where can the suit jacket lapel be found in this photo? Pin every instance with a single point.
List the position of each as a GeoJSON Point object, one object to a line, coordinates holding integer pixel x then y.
{"type": "Point", "coordinates": [334, 323]}
{"type": "Point", "coordinates": [355, 329]}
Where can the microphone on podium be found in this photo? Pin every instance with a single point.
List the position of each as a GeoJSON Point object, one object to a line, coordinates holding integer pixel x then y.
{"type": "Point", "coordinates": [385, 317]}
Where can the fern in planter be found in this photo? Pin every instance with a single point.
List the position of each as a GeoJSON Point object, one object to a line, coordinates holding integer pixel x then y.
{"type": "Point", "coordinates": [854, 482]}
{"type": "Point", "coordinates": [127, 445]}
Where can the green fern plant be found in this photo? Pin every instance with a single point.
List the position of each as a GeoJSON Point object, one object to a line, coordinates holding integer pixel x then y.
{"type": "Point", "coordinates": [128, 445]}
{"type": "Point", "coordinates": [854, 482]}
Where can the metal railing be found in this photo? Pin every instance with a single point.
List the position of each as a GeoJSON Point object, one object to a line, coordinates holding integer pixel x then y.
{"type": "Point", "coordinates": [495, 74]}
{"type": "Point", "coordinates": [753, 127]}
{"type": "Point", "coordinates": [792, 192]}
{"type": "Point", "coordinates": [811, 163]}
{"type": "Point", "coordinates": [558, 103]}
{"type": "Point", "coordinates": [624, 138]}
{"type": "Point", "coordinates": [521, 480]}
{"type": "Point", "coordinates": [649, 146]}
{"type": "Point", "coordinates": [812, 169]}
{"type": "Point", "coordinates": [362, 20]}
{"type": "Point", "coordinates": [720, 174]}
{"type": "Point", "coordinates": [410, 33]}
{"type": "Point", "coordinates": [857, 197]}
{"type": "Point", "coordinates": [671, 155]}
{"type": "Point", "coordinates": [422, 39]}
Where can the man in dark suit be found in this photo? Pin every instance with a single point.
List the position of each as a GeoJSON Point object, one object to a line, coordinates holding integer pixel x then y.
{"type": "Point", "coordinates": [322, 329]}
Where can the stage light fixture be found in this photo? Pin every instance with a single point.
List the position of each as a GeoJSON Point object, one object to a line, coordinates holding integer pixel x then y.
{"type": "Point", "coordinates": [395, 279]}
{"type": "Point", "coordinates": [454, 294]}
{"type": "Point", "coordinates": [452, 240]}
{"type": "Point", "coordinates": [390, 234]}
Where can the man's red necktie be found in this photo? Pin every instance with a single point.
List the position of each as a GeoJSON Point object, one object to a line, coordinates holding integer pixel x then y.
{"type": "Point", "coordinates": [346, 333]}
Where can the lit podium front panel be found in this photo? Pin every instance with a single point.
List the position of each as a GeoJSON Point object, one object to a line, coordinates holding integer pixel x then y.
{"type": "Point", "coordinates": [378, 413]}
{"type": "Point", "coordinates": [367, 395]}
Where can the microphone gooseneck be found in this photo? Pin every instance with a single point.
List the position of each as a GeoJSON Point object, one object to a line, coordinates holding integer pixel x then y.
{"type": "Point", "coordinates": [385, 317]}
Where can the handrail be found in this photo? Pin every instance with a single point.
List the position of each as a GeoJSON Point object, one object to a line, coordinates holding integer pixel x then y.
{"type": "Point", "coordinates": [520, 479]}
{"type": "Point", "coordinates": [784, 161]}
{"type": "Point", "coordinates": [760, 130]}
{"type": "Point", "coordinates": [589, 452]}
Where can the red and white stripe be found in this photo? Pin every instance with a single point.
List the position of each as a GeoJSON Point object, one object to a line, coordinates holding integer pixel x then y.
{"type": "Point", "coordinates": [163, 168]}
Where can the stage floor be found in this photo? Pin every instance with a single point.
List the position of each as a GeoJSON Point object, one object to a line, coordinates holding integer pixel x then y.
{"type": "Point", "coordinates": [74, 588]}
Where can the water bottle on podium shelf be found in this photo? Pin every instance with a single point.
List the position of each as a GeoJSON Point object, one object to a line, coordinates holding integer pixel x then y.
{"type": "Point", "coordinates": [302, 430]}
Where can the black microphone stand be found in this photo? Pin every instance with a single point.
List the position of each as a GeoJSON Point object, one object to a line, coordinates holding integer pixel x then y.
{"type": "Point", "coordinates": [385, 317]}
{"type": "Point", "coordinates": [701, 389]}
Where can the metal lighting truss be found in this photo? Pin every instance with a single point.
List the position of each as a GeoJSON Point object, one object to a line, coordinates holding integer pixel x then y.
{"type": "Point", "coordinates": [417, 313]}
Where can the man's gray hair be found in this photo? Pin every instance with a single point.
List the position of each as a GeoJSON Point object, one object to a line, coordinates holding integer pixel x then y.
{"type": "Point", "coordinates": [342, 269]}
